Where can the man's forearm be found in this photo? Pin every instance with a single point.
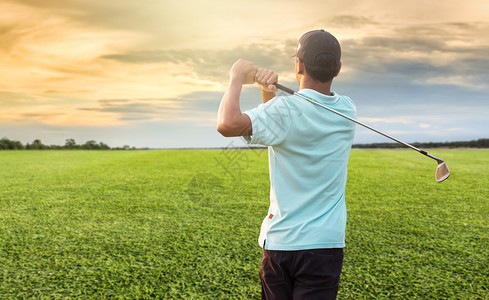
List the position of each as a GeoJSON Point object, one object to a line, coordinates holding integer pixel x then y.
{"type": "Point", "coordinates": [229, 108]}
{"type": "Point", "coordinates": [266, 96]}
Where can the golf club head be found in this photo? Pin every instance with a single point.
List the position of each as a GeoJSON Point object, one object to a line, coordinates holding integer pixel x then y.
{"type": "Point", "coordinates": [442, 171]}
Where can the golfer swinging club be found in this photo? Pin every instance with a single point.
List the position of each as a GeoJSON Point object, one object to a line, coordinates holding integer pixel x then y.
{"type": "Point", "coordinates": [303, 233]}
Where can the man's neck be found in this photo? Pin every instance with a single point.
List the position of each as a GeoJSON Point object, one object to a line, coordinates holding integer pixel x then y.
{"type": "Point", "coordinates": [321, 87]}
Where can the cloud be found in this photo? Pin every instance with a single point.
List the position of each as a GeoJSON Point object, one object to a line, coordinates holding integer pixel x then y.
{"type": "Point", "coordinates": [469, 82]}
{"type": "Point", "coordinates": [350, 21]}
{"type": "Point", "coordinates": [11, 99]}
{"type": "Point", "coordinates": [198, 108]}
{"type": "Point", "coordinates": [214, 64]}
{"type": "Point", "coordinates": [54, 115]}
{"type": "Point", "coordinates": [135, 109]}
{"type": "Point", "coordinates": [168, 24]}
{"type": "Point", "coordinates": [422, 54]}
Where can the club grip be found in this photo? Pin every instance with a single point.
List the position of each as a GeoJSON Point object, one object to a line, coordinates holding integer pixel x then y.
{"type": "Point", "coordinates": [283, 88]}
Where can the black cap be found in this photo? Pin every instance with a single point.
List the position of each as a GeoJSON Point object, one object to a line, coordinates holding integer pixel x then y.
{"type": "Point", "coordinates": [316, 42]}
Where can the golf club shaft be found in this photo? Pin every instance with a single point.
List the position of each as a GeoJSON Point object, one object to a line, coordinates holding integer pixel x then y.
{"type": "Point", "coordinates": [285, 89]}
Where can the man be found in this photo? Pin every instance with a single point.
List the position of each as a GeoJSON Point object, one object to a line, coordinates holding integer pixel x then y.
{"type": "Point", "coordinates": [303, 234]}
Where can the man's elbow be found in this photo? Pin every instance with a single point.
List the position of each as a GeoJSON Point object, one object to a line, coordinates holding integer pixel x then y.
{"type": "Point", "coordinates": [229, 127]}
{"type": "Point", "coordinates": [226, 130]}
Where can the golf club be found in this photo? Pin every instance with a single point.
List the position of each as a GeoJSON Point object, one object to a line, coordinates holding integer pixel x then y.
{"type": "Point", "coordinates": [442, 170]}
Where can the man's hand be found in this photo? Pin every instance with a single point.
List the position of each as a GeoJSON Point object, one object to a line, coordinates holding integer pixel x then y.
{"type": "Point", "coordinates": [243, 71]}
{"type": "Point", "coordinates": [230, 120]}
{"type": "Point", "coordinates": [265, 79]}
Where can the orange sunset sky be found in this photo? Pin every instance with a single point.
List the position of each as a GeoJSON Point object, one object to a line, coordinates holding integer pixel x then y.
{"type": "Point", "coordinates": [152, 73]}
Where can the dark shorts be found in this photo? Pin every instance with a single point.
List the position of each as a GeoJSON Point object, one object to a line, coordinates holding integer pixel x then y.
{"type": "Point", "coordinates": [304, 274]}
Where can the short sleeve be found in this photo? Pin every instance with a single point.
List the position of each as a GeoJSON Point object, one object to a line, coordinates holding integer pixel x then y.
{"type": "Point", "coordinates": [270, 122]}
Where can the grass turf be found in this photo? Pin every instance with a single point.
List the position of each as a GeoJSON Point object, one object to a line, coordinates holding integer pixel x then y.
{"type": "Point", "coordinates": [184, 225]}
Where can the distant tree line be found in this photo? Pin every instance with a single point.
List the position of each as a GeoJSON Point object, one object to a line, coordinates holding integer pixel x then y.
{"type": "Point", "coordinates": [480, 143]}
{"type": "Point", "coordinates": [70, 144]}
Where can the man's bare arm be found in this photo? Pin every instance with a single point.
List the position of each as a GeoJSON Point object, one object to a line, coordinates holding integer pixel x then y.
{"type": "Point", "coordinates": [230, 120]}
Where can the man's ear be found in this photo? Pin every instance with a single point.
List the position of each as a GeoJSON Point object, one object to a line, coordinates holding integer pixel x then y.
{"type": "Point", "coordinates": [300, 67]}
{"type": "Point", "coordinates": [339, 68]}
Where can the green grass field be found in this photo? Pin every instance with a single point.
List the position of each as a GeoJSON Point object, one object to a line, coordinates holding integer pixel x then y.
{"type": "Point", "coordinates": [184, 225]}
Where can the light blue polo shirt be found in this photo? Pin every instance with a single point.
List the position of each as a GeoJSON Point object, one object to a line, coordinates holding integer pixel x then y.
{"type": "Point", "coordinates": [308, 153]}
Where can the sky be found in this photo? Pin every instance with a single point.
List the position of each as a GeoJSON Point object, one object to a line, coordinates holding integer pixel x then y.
{"type": "Point", "coordinates": [152, 73]}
